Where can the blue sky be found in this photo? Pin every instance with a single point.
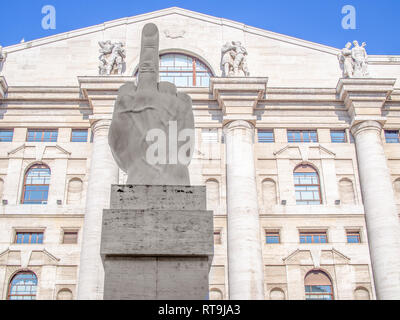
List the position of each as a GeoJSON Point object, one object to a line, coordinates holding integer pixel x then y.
{"type": "Point", "coordinates": [378, 22]}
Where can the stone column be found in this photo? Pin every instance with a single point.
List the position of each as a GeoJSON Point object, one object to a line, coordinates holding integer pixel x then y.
{"type": "Point", "coordinates": [246, 279]}
{"type": "Point", "coordinates": [364, 99]}
{"type": "Point", "coordinates": [380, 209]}
{"type": "Point", "coordinates": [103, 173]}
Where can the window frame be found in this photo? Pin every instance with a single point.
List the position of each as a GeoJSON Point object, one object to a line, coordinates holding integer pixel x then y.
{"type": "Point", "coordinates": [311, 293]}
{"type": "Point", "coordinates": [397, 137]}
{"type": "Point", "coordinates": [80, 130]}
{"type": "Point", "coordinates": [43, 133]}
{"type": "Point", "coordinates": [272, 233]}
{"type": "Point", "coordinates": [268, 140]}
{"type": "Point", "coordinates": [356, 233]}
{"type": "Point", "coordinates": [336, 131]}
{"type": "Point", "coordinates": [42, 202]}
{"type": "Point", "coordinates": [7, 130]}
{"type": "Point", "coordinates": [68, 231]}
{"type": "Point", "coordinates": [193, 72]}
{"type": "Point", "coordinates": [312, 170]}
{"type": "Point", "coordinates": [33, 296]}
{"type": "Point", "coordinates": [30, 232]}
{"type": "Point", "coordinates": [289, 131]}
{"type": "Point", "coordinates": [313, 233]}
{"type": "Point", "coordinates": [219, 233]}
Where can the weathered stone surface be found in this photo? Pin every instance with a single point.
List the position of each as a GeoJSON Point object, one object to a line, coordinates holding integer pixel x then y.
{"type": "Point", "coordinates": [161, 252]}
{"type": "Point", "coordinates": [158, 197]}
{"type": "Point", "coordinates": [157, 232]}
{"type": "Point", "coordinates": [165, 278]}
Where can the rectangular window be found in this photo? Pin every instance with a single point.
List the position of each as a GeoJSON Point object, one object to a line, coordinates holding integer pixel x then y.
{"type": "Point", "coordinates": [272, 237]}
{"type": "Point", "coordinates": [209, 135]}
{"type": "Point", "coordinates": [79, 135]}
{"type": "Point", "coordinates": [392, 136]}
{"type": "Point", "coordinates": [338, 136]}
{"type": "Point", "coordinates": [29, 237]}
{"type": "Point", "coordinates": [70, 237]}
{"type": "Point", "coordinates": [302, 136]}
{"type": "Point", "coordinates": [42, 135]}
{"type": "Point", "coordinates": [313, 237]}
{"type": "Point", "coordinates": [266, 136]}
{"type": "Point", "coordinates": [353, 237]}
{"type": "Point", "coordinates": [6, 135]}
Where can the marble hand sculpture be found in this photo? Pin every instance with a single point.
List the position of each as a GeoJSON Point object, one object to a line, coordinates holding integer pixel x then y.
{"type": "Point", "coordinates": [152, 121]}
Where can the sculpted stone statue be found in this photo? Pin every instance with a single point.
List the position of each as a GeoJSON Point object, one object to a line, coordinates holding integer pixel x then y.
{"type": "Point", "coordinates": [234, 59]}
{"type": "Point", "coordinates": [152, 131]}
{"type": "Point", "coordinates": [354, 62]}
{"type": "Point", "coordinates": [111, 58]}
{"type": "Point", "coordinates": [2, 55]}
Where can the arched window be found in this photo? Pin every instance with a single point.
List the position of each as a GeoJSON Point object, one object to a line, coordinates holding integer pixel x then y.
{"type": "Point", "coordinates": [277, 294]}
{"type": "Point", "coordinates": [184, 70]}
{"type": "Point", "coordinates": [307, 186]}
{"type": "Point", "coordinates": [23, 286]}
{"type": "Point", "coordinates": [36, 185]}
{"type": "Point", "coordinates": [318, 286]}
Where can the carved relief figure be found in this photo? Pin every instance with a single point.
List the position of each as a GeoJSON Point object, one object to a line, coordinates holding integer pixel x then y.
{"type": "Point", "coordinates": [234, 59]}
{"type": "Point", "coordinates": [354, 62]}
{"type": "Point", "coordinates": [346, 61]}
{"type": "Point", "coordinates": [111, 58]}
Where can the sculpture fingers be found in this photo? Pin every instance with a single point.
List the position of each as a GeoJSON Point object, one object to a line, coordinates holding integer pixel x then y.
{"type": "Point", "coordinates": [149, 58]}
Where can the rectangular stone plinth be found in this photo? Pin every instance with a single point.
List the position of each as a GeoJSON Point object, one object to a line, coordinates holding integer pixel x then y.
{"type": "Point", "coordinates": [156, 278]}
{"type": "Point", "coordinates": [157, 232]}
{"type": "Point", "coordinates": [157, 243]}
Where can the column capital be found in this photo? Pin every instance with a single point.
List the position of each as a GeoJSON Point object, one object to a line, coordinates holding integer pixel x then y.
{"type": "Point", "coordinates": [242, 124]}
{"type": "Point", "coordinates": [365, 97]}
{"type": "Point", "coordinates": [238, 96]}
{"type": "Point", "coordinates": [102, 91]}
{"type": "Point", "coordinates": [366, 125]}
{"type": "Point", "coordinates": [100, 125]}
{"type": "Point", "coordinates": [3, 87]}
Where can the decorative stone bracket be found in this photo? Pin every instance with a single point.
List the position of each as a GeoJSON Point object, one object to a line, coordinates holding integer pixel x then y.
{"type": "Point", "coordinates": [3, 87]}
{"type": "Point", "coordinates": [238, 97]}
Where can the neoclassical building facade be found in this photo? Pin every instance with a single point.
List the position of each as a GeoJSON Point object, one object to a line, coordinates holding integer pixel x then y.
{"type": "Point", "coordinates": [299, 155]}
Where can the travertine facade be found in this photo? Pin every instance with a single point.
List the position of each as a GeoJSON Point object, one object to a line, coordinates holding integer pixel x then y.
{"type": "Point", "coordinates": [54, 83]}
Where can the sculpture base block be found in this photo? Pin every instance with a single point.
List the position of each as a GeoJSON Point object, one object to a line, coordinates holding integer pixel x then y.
{"type": "Point", "coordinates": [157, 243]}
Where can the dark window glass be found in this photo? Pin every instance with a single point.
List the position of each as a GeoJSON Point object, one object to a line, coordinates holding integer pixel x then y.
{"type": "Point", "coordinates": [266, 136]}
{"type": "Point", "coordinates": [392, 136]}
{"type": "Point", "coordinates": [41, 135]}
{"type": "Point", "coordinates": [79, 135]}
{"type": "Point", "coordinates": [6, 135]}
{"type": "Point", "coordinates": [70, 237]}
{"type": "Point", "coordinates": [353, 237]}
{"type": "Point", "coordinates": [23, 286]}
{"type": "Point", "coordinates": [338, 136]}
{"type": "Point", "coordinates": [36, 186]}
{"type": "Point", "coordinates": [313, 237]}
{"type": "Point", "coordinates": [302, 136]}
{"type": "Point", "coordinates": [29, 238]}
{"type": "Point", "coordinates": [272, 237]}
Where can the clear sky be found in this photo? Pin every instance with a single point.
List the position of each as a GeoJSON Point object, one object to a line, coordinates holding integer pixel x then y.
{"type": "Point", "coordinates": [377, 21]}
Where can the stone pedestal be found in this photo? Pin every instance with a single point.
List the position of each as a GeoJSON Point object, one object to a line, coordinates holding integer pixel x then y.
{"type": "Point", "coordinates": [157, 243]}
